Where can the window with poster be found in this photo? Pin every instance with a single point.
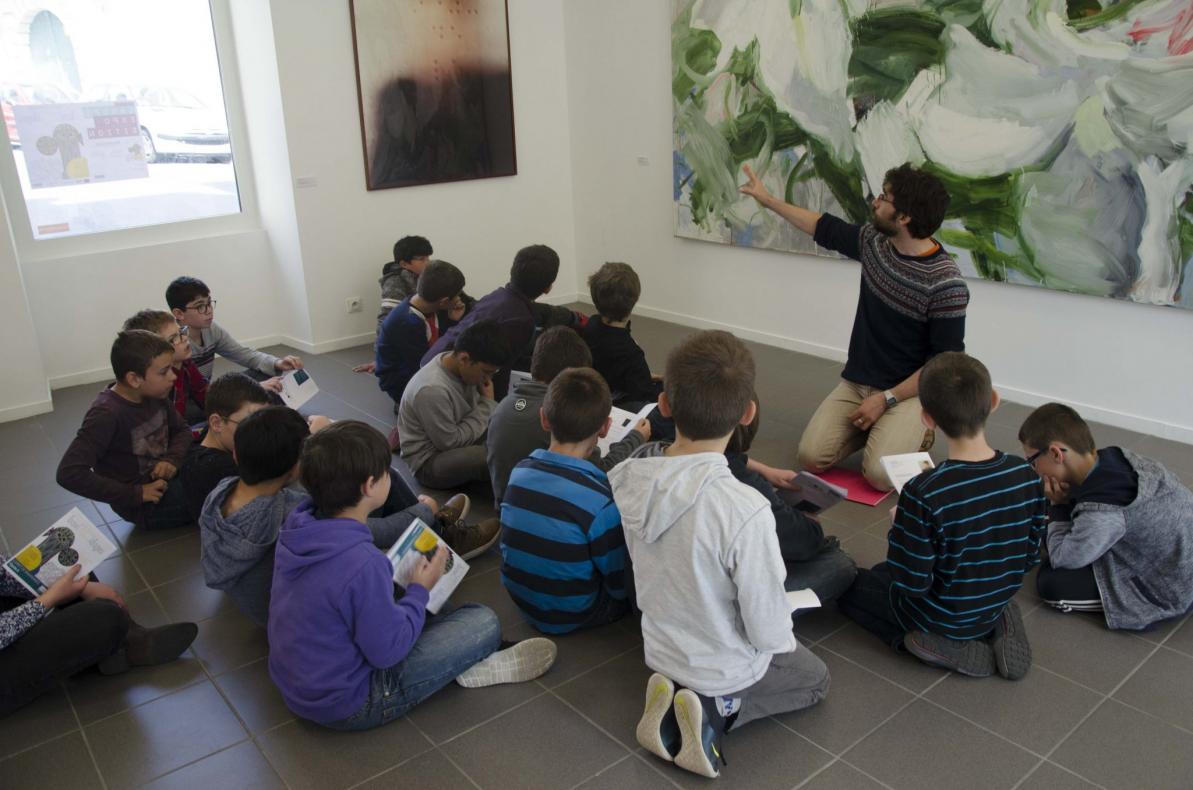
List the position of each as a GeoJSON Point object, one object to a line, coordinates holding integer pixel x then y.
{"type": "Point", "coordinates": [115, 115]}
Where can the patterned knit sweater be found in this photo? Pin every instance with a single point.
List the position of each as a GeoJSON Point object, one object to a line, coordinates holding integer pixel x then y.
{"type": "Point", "coordinates": [910, 308]}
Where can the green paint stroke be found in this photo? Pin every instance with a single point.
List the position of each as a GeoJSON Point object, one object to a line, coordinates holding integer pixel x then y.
{"type": "Point", "coordinates": [890, 46]}
{"type": "Point", "coordinates": [693, 55]}
{"type": "Point", "coordinates": [1089, 21]}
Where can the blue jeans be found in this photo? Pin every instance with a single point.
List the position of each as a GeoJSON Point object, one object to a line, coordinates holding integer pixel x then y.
{"type": "Point", "coordinates": [449, 644]}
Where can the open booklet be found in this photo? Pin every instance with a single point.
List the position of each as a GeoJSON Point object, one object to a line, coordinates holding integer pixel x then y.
{"type": "Point", "coordinates": [71, 540]}
{"type": "Point", "coordinates": [901, 468]}
{"type": "Point", "coordinates": [419, 541]}
{"type": "Point", "coordinates": [297, 388]}
{"type": "Point", "coordinates": [803, 599]}
{"type": "Point", "coordinates": [814, 494]}
{"type": "Point", "coordinates": [623, 422]}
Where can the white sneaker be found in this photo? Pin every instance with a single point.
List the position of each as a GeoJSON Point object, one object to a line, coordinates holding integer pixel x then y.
{"type": "Point", "coordinates": [526, 660]}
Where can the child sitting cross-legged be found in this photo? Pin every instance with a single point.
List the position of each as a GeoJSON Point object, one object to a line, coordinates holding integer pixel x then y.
{"type": "Point", "coordinates": [562, 548]}
{"type": "Point", "coordinates": [708, 573]}
{"type": "Point", "coordinates": [231, 398]}
{"type": "Point", "coordinates": [132, 440]}
{"type": "Point", "coordinates": [241, 518]}
{"type": "Point", "coordinates": [345, 651]}
{"type": "Point", "coordinates": [962, 537]}
{"type": "Point", "coordinates": [1119, 525]}
{"type": "Point", "coordinates": [516, 429]}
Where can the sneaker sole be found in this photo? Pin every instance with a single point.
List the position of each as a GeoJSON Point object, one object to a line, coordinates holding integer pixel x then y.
{"type": "Point", "coordinates": [690, 715]}
{"type": "Point", "coordinates": [660, 692]}
{"type": "Point", "coordinates": [479, 550]}
{"type": "Point", "coordinates": [1012, 651]}
{"type": "Point", "coordinates": [972, 662]}
{"type": "Point", "coordinates": [524, 661]}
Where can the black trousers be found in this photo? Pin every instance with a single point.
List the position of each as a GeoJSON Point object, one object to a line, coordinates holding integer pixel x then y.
{"type": "Point", "coordinates": [1069, 588]}
{"type": "Point", "coordinates": [66, 641]}
{"type": "Point", "coordinates": [867, 602]}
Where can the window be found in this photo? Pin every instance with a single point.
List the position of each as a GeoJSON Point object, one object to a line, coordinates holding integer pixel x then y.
{"type": "Point", "coordinates": [114, 110]}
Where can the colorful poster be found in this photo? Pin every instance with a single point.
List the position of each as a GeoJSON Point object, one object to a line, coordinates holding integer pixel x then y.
{"type": "Point", "coordinates": [80, 143]}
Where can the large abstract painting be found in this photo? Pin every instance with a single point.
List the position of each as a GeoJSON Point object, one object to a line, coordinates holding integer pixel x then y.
{"type": "Point", "coordinates": [1064, 131]}
{"type": "Point", "coordinates": [433, 78]}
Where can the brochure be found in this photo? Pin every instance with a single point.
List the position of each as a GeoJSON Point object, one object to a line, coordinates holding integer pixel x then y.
{"type": "Point", "coordinates": [297, 388]}
{"type": "Point", "coordinates": [420, 541]}
{"type": "Point", "coordinates": [901, 468]}
{"type": "Point", "coordinates": [623, 422]}
{"type": "Point", "coordinates": [71, 540]}
{"type": "Point", "coordinates": [814, 494]}
{"type": "Point", "coordinates": [803, 599]}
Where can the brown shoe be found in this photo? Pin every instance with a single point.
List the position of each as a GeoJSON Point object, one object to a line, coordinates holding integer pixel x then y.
{"type": "Point", "coordinates": [453, 510]}
{"type": "Point", "coordinates": [472, 540]}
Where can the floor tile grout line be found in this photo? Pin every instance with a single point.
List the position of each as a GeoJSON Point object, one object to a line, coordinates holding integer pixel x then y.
{"type": "Point", "coordinates": [836, 759]}
{"type": "Point", "coordinates": [821, 646]}
{"type": "Point", "coordinates": [864, 773]}
{"type": "Point", "coordinates": [247, 739]}
{"type": "Point", "coordinates": [492, 718]}
{"type": "Point", "coordinates": [1081, 722]}
{"type": "Point", "coordinates": [103, 782]}
{"type": "Point", "coordinates": [628, 756]}
{"type": "Point", "coordinates": [604, 732]}
{"type": "Point", "coordinates": [458, 767]}
{"type": "Point", "coordinates": [189, 684]}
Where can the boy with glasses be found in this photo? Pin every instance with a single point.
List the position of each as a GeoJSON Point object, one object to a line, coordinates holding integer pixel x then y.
{"type": "Point", "coordinates": [190, 301]}
{"type": "Point", "coordinates": [1119, 525]}
{"type": "Point", "coordinates": [190, 387]}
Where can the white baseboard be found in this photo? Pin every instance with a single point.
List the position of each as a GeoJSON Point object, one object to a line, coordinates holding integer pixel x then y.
{"type": "Point", "coordinates": [766, 338]}
{"type": "Point", "coordinates": [327, 346]}
{"type": "Point", "coordinates": [1131, 422]}
{"type": "Point", "coordinates": [26, 410]}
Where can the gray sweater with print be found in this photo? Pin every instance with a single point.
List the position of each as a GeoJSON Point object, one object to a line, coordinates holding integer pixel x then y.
{"type": "Point", "coordinates": [439, 412]}
{"type": "Point", "coordinates": [1141, 553]}
{"type": "Point", "coordinates": [515, 432]}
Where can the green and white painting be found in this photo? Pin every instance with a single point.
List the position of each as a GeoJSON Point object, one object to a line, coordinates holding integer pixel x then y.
{"type": "Point", "coordinates": [1063, 130]}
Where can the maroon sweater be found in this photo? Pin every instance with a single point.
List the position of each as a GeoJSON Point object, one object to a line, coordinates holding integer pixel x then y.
{"type": "Point", "coordinates": [116, 448]}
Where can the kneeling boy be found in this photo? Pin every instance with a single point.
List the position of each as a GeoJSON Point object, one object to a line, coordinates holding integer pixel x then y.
{"type": "Point", "coordinates": [343, 652]}
{"type": "Point", "coordinates": [1118, 526]}
{"type": "Point", "coordinates": [962, 537]}
{"type": "Point", "coordinates": [707, 569]}
{"type": "Point", "coordinates": [562, 548]}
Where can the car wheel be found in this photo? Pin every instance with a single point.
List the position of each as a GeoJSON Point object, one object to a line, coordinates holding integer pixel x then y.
{"type": "Point", "coordinates": [150, 150]}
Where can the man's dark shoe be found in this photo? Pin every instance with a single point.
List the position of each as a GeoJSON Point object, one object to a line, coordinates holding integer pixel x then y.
{"type": "Point", "coordinates": [972, 657]}
{"type": "Point", "coordinates": [453, 510]}
{"type": "Point", "coordinates": [472, 540]}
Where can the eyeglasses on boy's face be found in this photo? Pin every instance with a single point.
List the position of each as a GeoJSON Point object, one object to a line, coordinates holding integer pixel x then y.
{"type": "Point", "coordinates": [204, 306]}
{"type": "Point", "coordinates": [179, 337]}
{"type": "Point", "coordinates": [1031, 459]}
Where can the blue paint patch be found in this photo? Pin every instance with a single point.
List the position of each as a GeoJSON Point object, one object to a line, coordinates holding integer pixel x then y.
{"type": "Point", "coordinates": [680, 172]}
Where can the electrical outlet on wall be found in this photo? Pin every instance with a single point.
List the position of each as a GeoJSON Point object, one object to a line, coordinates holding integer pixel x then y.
{"type": "Point", "coordinates": [353, 304]}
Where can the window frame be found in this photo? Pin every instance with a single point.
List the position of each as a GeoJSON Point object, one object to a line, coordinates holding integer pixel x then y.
{"type": "Point", "coordinates": [32, 249]}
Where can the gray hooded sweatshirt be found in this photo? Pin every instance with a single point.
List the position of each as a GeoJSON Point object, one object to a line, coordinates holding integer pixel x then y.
{"type": "Point", "coordinates": [237, 551]}
{"type": "Point", "coordinates": [1141, 553]}
{"type": "Point", "coordinates": [707, 570]}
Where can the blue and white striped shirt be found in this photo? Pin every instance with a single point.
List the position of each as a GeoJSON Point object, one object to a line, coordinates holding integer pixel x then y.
{"type": "Point", "coordinates": [562, 546]}
{"type": "Point", "coordinates": [964, 535]}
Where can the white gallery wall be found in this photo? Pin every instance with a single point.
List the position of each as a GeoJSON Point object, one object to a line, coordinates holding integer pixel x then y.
{"type": "Point", "coordinates": [592, 107]}
{"type": "Point", "coordinates": [1124, 364]}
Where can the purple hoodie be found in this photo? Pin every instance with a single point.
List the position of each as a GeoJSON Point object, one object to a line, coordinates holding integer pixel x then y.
{"type": "Point", "coordinates": [332, 615]}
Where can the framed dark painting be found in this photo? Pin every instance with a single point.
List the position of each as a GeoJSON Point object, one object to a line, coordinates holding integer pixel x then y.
{"type": "Point", "coordinates": [436, 100]}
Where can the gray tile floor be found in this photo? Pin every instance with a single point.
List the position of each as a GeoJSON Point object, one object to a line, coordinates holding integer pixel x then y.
{"type": "Point", "coordinates": [1098, 709]}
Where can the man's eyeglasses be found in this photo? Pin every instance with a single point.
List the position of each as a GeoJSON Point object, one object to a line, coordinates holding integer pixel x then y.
{"type": "Point", "coordinates": [884, 197]}
{"type": "Point", "coordinates": [202, 307]}
{"type": "Point", "coordinates": [179, 336]}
